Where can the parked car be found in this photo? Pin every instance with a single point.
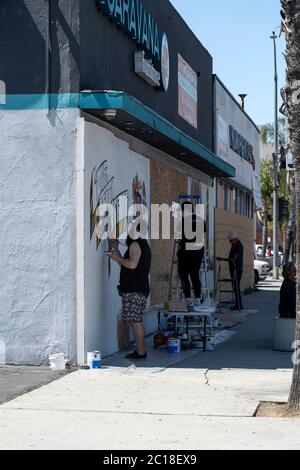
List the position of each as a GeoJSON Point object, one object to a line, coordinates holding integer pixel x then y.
{"type": "Point", "coordinates": [269, 251]}
{"type": "Point", "coordinates": [261, 270]}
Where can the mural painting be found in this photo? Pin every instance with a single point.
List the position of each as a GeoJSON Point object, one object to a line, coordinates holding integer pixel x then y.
{"type": "Point", "coordinates": [102, 192]}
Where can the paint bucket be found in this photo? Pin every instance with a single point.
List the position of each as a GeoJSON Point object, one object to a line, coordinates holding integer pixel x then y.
{"type": "Point", "coordinates": [174, 346]}
{"type": "Point", "coordinates": [94, 360]}
{"type": "Point", "coordinates": [57, 361]}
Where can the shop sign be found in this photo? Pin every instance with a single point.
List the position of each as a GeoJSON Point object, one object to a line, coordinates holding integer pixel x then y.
{"type": "Point", "coordinates": [132, 17]}
{"type": "Point", "coordinates": [187, 92]}
{"type": "Point", "coordinates": [241, 146]}
{"type": "Point", "coordinates": [145, 69]}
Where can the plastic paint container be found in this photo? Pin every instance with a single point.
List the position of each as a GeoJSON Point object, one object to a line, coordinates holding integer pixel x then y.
{"type": "Point", "coordinates": [174, 346]}
{"type": "Point", "coordinates": [94, 360]}
{"type": "Point", "coordinates": [57, 361]}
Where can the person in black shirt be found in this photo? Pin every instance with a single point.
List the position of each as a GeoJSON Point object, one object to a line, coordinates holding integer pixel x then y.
{"type": "Point", "coordinates": [236, 266]}
{"type": "Point", "coordinates": [287, 306]}
{"type": "Point", "coordinates": [190, 260]}
{"type": "Point", "coordinates": [134, 288]}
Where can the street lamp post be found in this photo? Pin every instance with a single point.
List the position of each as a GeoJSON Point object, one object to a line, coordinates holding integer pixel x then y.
{"type": "Point", "coordinates": [275, 158]}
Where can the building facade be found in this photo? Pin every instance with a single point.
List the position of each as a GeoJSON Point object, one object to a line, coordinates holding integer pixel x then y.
{"type": "Point", "coordinates": [103, 99]}
{"type": "Point", "coordinates": [237, 141]}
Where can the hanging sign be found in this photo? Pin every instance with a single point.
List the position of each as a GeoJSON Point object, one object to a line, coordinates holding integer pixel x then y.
{"type": "Point", "coordinates": [187, 92]}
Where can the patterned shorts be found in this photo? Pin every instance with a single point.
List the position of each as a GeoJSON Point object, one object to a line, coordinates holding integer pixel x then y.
{"type": "Point", "coordinates": [133, 307]}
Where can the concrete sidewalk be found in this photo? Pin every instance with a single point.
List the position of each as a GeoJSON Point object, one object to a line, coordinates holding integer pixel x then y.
{"type": "Point", "coordinates": [206, 401]}
{"type": "Point", "coordinates": [17, 380]}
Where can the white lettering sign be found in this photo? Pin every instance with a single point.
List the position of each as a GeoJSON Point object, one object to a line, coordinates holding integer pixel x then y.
{"type": "Point", "coordinates": [145, 69]}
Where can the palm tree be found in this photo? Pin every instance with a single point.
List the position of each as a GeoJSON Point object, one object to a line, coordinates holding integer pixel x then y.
{"type": "Point", "coordinates": [291, 26]}
{"type": "Point", "coordinates": [267, 132]}
{"type": "Point", "coordinates": [267, 188]}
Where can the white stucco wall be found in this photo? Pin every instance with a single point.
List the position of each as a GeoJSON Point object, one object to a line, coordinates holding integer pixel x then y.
{"type": "Point", "coordinates": [102, 304]}
{"type": "Point", "coordinates": [38, 234]}
{"type": "Point", "coordinates": [231, 114]}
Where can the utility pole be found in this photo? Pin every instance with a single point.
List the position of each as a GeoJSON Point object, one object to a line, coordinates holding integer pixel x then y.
{"type": "Point", "coordinates": [275, 159]}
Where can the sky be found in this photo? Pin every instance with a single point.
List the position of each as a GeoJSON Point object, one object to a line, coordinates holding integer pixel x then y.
{"type": "Point", "coordinates": [237, 35]}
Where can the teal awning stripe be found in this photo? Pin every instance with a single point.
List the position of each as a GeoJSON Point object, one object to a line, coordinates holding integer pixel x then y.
{"type": "Point", "coordinates": [122, 101]}
{"type": "Point", "coordinates": [39, 101]}
{"type": "Point", "coordinates": [115, 100]}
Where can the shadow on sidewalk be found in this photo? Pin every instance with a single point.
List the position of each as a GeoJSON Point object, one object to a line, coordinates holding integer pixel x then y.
{"type": "Point", "coordinates": [250, 347]}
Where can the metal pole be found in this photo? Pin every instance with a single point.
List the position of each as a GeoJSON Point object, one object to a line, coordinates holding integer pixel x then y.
{"type": "Point", "coordinates": [275, 157]}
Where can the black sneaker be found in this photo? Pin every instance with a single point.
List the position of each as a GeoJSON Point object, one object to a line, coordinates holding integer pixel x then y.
{"type": "Point", "coordinates": [136, 355]}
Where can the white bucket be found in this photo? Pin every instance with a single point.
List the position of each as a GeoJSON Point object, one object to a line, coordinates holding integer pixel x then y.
{"type": "Point", "coordinates": [94, 360]}
{"type": "Point", "coordinates": [57, 361]}
{"type": "Point", "coordinates": [174, 346]}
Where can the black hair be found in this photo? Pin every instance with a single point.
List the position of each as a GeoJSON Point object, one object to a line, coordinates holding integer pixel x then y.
{"type": "Point", "coordinates": [130, 240]}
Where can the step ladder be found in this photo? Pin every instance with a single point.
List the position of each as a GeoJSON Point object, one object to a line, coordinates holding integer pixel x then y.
{"type": "Point", "coordinates": [175, 291]}
{"type": "Point", "coordinates": [204, 276]}
{"type": "Point", "coordinates": [175, 288]}
{"type": "Point", "coordinates": [225, 285]}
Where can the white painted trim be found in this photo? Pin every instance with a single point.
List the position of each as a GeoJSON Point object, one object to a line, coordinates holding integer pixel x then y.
{"type": "Point", "coordinates": [80, 217]}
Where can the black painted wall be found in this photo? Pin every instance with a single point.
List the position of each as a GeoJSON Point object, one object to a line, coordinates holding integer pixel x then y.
{"type": "Point", "coordinates": [23, 32]}
{"type": "Point", "coordinates": [89, 52]}
{"type": "Point", "coordinates": [106, 63]}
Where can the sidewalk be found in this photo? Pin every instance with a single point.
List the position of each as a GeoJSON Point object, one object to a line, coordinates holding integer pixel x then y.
{"type": "Point", "coordinates": [17, 380]}
{"type": "Point", "coordinates": [207, 401]}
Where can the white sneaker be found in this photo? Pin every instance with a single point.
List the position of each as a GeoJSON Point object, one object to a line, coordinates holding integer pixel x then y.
{"type": "Point", "coordinates": [197, 302]}
{"type": "Point", "coordinates": [190, 302]}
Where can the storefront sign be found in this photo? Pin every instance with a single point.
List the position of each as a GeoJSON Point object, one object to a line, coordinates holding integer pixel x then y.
{"type": "Point", "coordinates": [145, 69]}
{"type": "Point", "coordinates": [165, 62]}
{"type": "Point", "coordinates": [240, 146]}
{"type": "Point", "coordinates": [137, 22]}
{"type": "Point", "coordinates": [187, 92]}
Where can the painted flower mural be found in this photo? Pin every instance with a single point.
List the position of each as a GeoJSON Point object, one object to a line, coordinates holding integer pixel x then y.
{"type": "Point", "coordinates": [138, 191]}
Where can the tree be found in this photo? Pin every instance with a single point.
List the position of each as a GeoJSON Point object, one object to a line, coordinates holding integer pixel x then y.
{"type": "Point", "coordinates": [291, 26]}
{"type": "Point", "coordinates": [267, 132]}
{"type": "Point", "coordinates": [267, 188]}
{"type": "Point", "coordinates": [266, 183]}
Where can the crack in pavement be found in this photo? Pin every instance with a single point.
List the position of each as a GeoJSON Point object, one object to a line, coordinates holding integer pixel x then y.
{"type": "Point", "coordinates": [206, 377]}
{"type": "Point", "coordinates": [137, 413]}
